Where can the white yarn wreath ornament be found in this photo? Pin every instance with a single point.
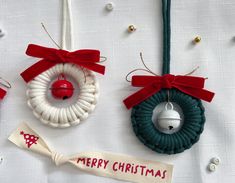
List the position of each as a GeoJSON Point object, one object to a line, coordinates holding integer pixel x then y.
{"type": "Point", "coordinates": [63, 117]}
{"type": "Point", "coordinates": [37, 92]}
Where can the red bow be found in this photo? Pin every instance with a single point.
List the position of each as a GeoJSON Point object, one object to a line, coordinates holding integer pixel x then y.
{"type": "Point", "coordinates": [51, 57]}
{"type": "Point", "coordinates": [2, 93]}
{"type": "Point", "coordinates": [152, 84]}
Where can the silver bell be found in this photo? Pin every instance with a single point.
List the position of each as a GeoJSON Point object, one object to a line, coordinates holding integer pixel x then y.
{"type": "Point", "coordinates": [169, 119]}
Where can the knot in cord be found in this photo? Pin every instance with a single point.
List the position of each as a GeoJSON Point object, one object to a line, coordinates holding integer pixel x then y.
{"type": "Point", "coordinates": [167, 81]}
{"type": "Point", "coordinates": [58, 158]}
{"type": "Point", "coordinates": [62, 55]}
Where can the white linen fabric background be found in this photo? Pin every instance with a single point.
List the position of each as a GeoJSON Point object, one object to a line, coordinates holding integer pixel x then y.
{"type": "Point", "coordinates": [109, 127]}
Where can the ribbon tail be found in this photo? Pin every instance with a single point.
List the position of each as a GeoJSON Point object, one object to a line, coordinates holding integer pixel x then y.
{"type": "Point", "coordinates": [197, 93]}
{"type": "Point", "coordinates": [140, 96]}
{"type": "Point", "coordinates": [36, 69]}
{"type": "Point", "coordinates": [2, 93]}
{"type": "Point", "coordinates": [18, 137]}
{"type": "Point", "coordinates": [94, 67]}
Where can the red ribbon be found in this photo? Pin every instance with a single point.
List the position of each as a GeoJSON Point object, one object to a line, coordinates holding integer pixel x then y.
{"type": "Point", "coordinates": [50, 57]}
{"type": "Point", "coordinates": [190, 85]}
{"type": "Point", "coordinates": [2, 93]}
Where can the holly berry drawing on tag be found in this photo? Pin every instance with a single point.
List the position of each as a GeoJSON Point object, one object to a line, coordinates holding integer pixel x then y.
{"type": "Point", "coordinates": [29, 139]}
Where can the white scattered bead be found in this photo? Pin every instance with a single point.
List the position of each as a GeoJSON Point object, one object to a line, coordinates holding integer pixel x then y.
{"type": "Point", "coordinates": [109, 6]}
{"type": "Point", "coordinates": [212, 167]}
{"type": "Point", "coordinates": [215, 160]}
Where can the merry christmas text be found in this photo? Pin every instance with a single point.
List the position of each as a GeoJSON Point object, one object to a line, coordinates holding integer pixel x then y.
{"type": "Point", "coordinates": [123, 167]}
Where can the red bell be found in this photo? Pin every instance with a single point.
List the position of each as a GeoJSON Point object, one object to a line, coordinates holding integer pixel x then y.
{"type": "Point", "coordinates": [62, 88]}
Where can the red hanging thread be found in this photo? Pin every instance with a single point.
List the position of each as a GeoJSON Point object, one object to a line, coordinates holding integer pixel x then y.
{"type": "Point", "coordinates": [29, 139]}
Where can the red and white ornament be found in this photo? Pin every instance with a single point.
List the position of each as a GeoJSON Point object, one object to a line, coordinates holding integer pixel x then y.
{"type": "Point", "coordinates": [77, 65]}
{"type": "Point", "coordinates": [63, 117]}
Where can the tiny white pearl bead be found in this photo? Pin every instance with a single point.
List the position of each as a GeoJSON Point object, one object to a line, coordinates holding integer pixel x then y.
{"type": "Point", "coordinates": [212, 167]}
{"type": "Point", "coordinates": [109, 6]}
{"type": "Point", "coordinates": [215, 160]}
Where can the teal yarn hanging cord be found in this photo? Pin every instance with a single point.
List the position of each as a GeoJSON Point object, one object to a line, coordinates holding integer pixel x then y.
{"type": "Point", "coordinates": [166, 16]}
{"type": "Point", "coordinates": [192, 108]}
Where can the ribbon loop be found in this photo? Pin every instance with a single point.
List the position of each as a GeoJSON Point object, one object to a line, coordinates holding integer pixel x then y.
{"type": "Point", "coordinates": [58, 158]}
{"type": "Point", "coordinates": [190, 85]}
{"type": "Point", "coordinates": [50, 57]}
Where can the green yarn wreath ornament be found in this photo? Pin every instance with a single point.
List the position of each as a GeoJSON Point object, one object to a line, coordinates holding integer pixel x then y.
{"type": "Point", "coordinates": [177, 142]}
{"type": "Point", "coordinates": [185, 91]}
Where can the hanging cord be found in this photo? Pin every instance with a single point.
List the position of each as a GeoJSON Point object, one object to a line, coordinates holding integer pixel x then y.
{"type": "Point", "coordinates": [148, 70]}
{"type": "Point", "coordinates": [67, 43]}
{"type": "Point", "coordinates": [67, 29]}
{"type": "Point", "coordinates": [166, 5]}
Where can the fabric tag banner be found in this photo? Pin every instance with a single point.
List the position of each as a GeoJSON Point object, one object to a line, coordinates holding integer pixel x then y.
{"type": "Point", "coordinates": [104, 164]}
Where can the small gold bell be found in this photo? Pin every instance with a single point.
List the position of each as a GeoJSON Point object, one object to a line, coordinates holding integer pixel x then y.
{"type": "Point", "coordinates": [131, 28]}
{"type": "Point", "coordinates": [197, 39]}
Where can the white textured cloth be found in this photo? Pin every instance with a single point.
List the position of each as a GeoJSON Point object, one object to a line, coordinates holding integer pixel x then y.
{"type": "Point", "coordinates": [109, 127]}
